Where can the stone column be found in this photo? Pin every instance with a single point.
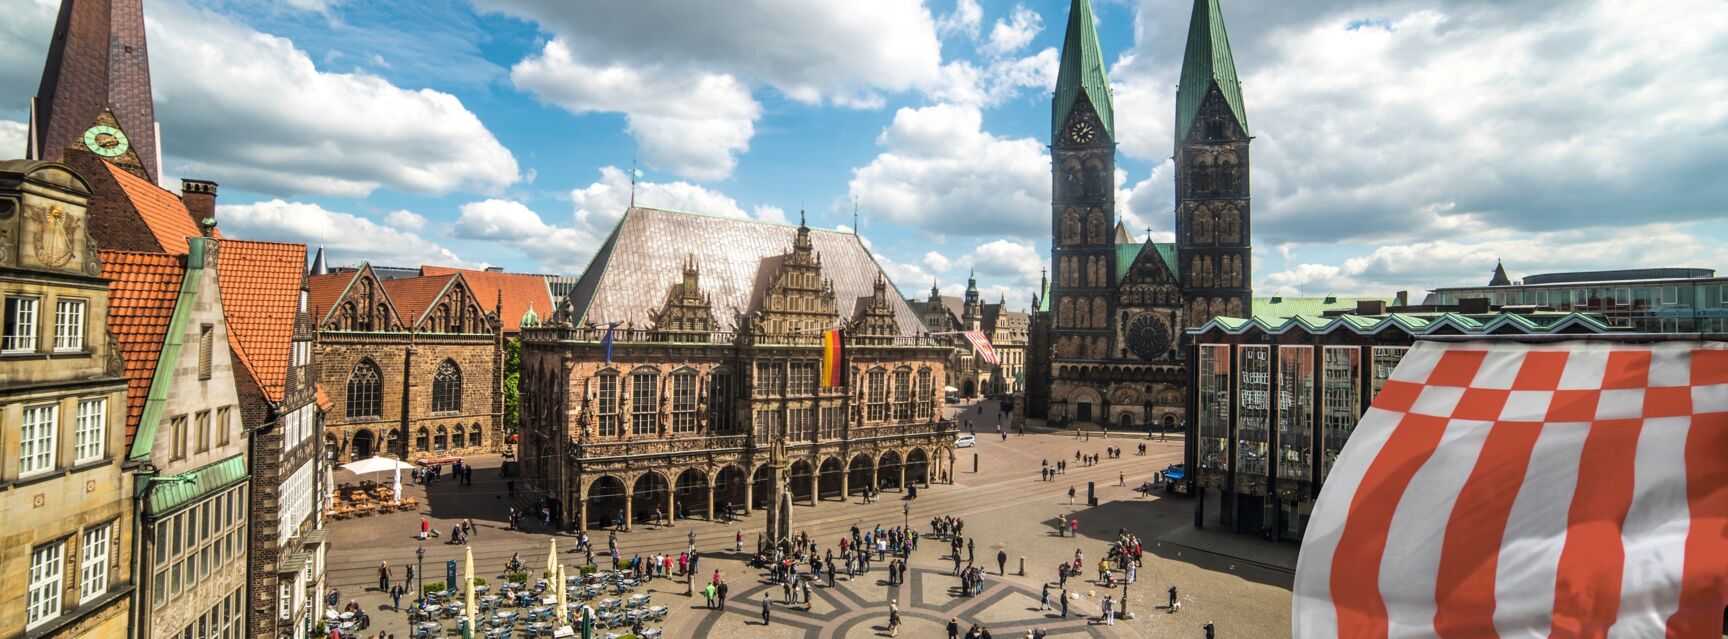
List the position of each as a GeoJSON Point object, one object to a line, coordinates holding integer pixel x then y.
{"type": "Point", "coordinates": [816, 486]}
{"type": "Point", "coordinates": [845, 479]}
{"type": "Point", "coordinates": [710, 499]}
{"type": "Point", "coordinates": [671, 504]}
{"type": "Point", "coordinates": [629, 507]}
{"type": "Point", "coordinates": [902, 475]}
{"type": "Point", "coordinates": [749, 489]}
{"type": "Point", "coordinates": [582, 512]}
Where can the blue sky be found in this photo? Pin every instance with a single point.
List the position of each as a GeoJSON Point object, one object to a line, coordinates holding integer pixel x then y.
{"type": "Point", "coordinates": [1399, 144]}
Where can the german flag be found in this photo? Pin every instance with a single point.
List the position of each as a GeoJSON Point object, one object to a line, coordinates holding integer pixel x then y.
{"type": "Point", "coordinates": [833, 359]}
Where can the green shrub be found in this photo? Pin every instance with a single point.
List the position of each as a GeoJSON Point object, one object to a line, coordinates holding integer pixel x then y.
{"type": "Point", "coordinates": [436, 586]}
{"type": "Point", "coordinates": [587, 569]}
{"type": "Point", "coordinates": [517, 577]}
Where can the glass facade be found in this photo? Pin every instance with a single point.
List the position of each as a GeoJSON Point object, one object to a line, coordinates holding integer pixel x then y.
{"type": "Point", "coordinates": [1252, 423]}
{"type": "Point", "coordinates": [1341, 405]}
{"type": "Point", "coordinates": [1214, 405]}
{"type": "Point", "coordinates": [1650, 306]}
{"type": "Point", "coordinates": [1386, 358]}
{"type": "Point", "coordinates": [1295, 411]}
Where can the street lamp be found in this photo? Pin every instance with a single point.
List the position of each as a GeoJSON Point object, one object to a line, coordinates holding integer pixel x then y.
{"type": "Point", "coordinates": [420, 575]}
{"type": "Point", "coordinates": [906, 516]}
{"type": "Point", "coordinates": [1124, 604]}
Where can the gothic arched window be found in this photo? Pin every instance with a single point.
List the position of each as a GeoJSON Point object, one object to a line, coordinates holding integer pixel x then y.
{"type": "Point", "coordinates": [365, 397]}
{"type": "Point", "coordinates": [447, 388]}
{"type": "Point", "coordinates": [474, 440]}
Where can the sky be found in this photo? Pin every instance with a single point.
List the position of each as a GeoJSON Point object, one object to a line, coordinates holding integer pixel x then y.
{"type": "Point", "coordinates": [1399, 144]}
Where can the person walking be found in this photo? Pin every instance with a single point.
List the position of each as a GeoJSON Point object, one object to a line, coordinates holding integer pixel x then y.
{"type": "Point", "coordinates": [894, 618]}
{"type": "Point", "coordinates": [1121, 478]}
{"type": "Point", "coordinates": [1208, 629]}
{"type": "Point", "coordinates": [1044, 597]}
{"type": "Point", "coordinates": [425, 527]}
{"type": "Point", "coordinates": [1074, 526]}
{"type": "Point", "coordinates": [1109, 612]}
{"type": "Point", "coordinates": [1172, 606]}
{"type": "Point", "coordinates": [409, 580]}
{"type": "Point", "coordinates": [767, 608]}
{"type": "Point", "coordinates": [720, 594]}
{"type": "Point", "coordinates": [969, 546]}
{"type": "Point", "coordinates": [1002, 562]}
{"type": "Point", "coordinates": [396, 597]}
{"type": "Point", "coordinates": [384, 575]}
{"type": "Point", "coordinates": [1070, 495]}
{"type": "Point", "coordinates": [738, 542]}
{"type": "Point", "coordinates": [953, 628]}
{"type": "Point", "coordinates": [1064, 603]}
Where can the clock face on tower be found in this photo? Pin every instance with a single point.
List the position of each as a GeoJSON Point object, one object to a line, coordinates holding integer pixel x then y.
{"type": "Point", "coordinates": [105, 141]}
{"type": "Point", "coordinates": [1082, 132]}
{"type": "Point", "coordinates": [1148, 337]}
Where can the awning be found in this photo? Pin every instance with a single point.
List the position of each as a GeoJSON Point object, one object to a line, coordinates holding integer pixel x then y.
{"type": "Point", "coordinates": [1175, 475]}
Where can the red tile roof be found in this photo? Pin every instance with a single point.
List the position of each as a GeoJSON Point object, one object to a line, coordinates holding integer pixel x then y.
{"type": "Point", "coordinates": [413, 295]}
{"type": "Point", "coordinates": [161, 210]}
{"type": "Point", "coordinates": [260, 284]}
{"type": "Point", "coordinates": [520, 291]}
{"type": "Point", "coordinates": [324, 291]}
{"type": "Point", "coordinates": [142, 290]}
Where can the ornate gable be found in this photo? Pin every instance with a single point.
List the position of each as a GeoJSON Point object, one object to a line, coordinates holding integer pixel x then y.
{"type": "Point", "coordinates": [876, 314]}
{"type": "Point", "coordinates": [687, 309]}
{"type": "Point", "coordinates": [801, 300]}
{"type": "Point", "coordinates": [455, 310]}
{"type": "Point", "coordinates": [363, 306]}
{"type": "Point", "coordinates": [1150, 281]}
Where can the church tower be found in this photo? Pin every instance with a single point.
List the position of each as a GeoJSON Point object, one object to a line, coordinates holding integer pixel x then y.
{"type": "Point", "coordinates": [95, 90]}
{"type": "Point", "coordinates": [1212, 203]}
{"type": "Point", "coordinates": [972, 313]}
{"type": "Point", "coordinates": [1083, 197]}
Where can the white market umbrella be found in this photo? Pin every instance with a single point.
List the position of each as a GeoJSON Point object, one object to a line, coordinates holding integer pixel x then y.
{"type": "Point", "coordinates": [950, 389]}
{"type": "Point", "coordinates": [375, 464]}
{"type": "Point", "coordinates": [563, 612]}
{"type": "Point", "coordinates": [473, 612]}
{"type": "Point", "coordinates": [552, 558]}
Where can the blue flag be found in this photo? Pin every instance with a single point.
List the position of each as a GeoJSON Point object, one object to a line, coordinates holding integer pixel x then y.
{"type": "Point", "coordinates": [606, 341]}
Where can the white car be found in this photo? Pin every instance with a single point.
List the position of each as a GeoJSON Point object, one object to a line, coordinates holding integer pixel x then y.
{"type": "Point", "coordinates": [965, 441]}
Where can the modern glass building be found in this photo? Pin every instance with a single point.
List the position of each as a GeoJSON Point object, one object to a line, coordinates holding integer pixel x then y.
{"type": "Point", "coordinates": [1276, 399]}
{"type": "Point", "coordinates": [1654, 300]}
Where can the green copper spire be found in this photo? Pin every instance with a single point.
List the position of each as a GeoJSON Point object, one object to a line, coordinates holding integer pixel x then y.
{"type": "Point", "coordinates": [1082, 71]}
{"type": "Point", "coordinates": [1207, 60]}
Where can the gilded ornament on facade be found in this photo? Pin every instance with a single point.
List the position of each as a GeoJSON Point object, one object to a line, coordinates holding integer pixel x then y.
{"type": "Point", "coordinates": [56, 235]}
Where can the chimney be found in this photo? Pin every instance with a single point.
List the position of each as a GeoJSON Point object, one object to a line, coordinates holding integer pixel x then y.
{"type": "Point", "coordinates": [200, 199]}
{"type": "Point", "coordinates": [1370, 307]}
{"type": "Point", "coordinates": [1473, 305]}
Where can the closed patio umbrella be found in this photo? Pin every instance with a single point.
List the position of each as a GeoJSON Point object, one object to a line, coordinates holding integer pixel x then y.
{"type": "Point", "coordinates": [468, 588]}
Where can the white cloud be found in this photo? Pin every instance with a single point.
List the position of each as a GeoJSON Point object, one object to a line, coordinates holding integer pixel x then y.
{"type": "Point", "coordinates": [1010, 35]}
{"type": "Point", "coordinates": [346, 238]}
{"type": "Point", "coordinates": [937, 262]}
{"type": "Point", "coordinates": [24, 38]}
{"type": "Point", "coordinates": [692, 124]}
{"type": "Point", "coordinates": [13, 139]}
{"type": "Point", "coordinates": [252, 111]}
{"type": "Point", "coordinates": [812, 51]}
{"type": "Point", "coordinates": [907, 277]}
{"type": "Point", "coordinates": [1017, 262]}
{"type": "Point", "coordinates": [965, 20]}
{"type": "Point", "coordinates": [511, 224]}
{"type": "Point", "coordinates": [1419, 265]}
{"type": "Point", "coordinates": [601, 204]}
{"type": "Point", "coordinates": [943, 174]}
{"type": "Point", "coordinates": [406, 220]}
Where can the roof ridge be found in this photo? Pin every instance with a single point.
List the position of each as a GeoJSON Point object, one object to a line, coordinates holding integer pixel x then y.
{"type": "Point", "coordinates": [1207, 59]}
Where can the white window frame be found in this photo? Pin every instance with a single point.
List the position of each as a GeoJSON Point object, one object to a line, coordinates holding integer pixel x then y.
{"type": "Point", "coordinates": [47, 576]}
{"type": "Point", "coordinates": [1622, 296]}
{"type": "Point", "coordinates": [93, 563]}
{"type": "Point", "coordinates": [40, 446]}
{"type": "Point", "coordinates": [69, 325]}
{"type": "Point", "coordinates": [90, 438]}
{"type": "Point", "coordinates": [24, 319]}
{"type": "Point", "coordinates": [1670, 295]}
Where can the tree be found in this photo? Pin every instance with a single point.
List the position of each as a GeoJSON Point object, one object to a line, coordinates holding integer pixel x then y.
{"type": "Point", "coordinates": [512, 374]}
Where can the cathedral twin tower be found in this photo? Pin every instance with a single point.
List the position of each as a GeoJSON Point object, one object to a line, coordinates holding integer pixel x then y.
{"type": "Point", "coordinates": [1117, 307]}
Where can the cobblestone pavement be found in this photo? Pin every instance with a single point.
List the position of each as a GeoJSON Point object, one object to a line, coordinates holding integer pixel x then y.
{"type": "Point", "coordinates": [1005, 507]}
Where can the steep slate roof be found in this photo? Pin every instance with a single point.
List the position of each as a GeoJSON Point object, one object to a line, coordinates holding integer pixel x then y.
{"type": "Point", "coordinates": [1207, 60]}
{"type": "Point", "coordinates": [142, 290]}
{"type": "Point", "coordinates": [521, 291]}
{"type": "Point", "coordinates": [260, 284]}
{"type": "Point", "coordinates": [645, 255]}
{"type": "Point", "coordinates": [1081, 71]}
{"type": "Point", "coordinates": [162, 211]}
{"type": "Point", "coordinates": [413, 295]}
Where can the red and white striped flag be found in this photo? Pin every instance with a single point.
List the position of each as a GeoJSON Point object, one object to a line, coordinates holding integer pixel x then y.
{"type": "Point", "coordinates": [981, 344]}
{"type": "Point", "coordinates": [1507, 490]}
